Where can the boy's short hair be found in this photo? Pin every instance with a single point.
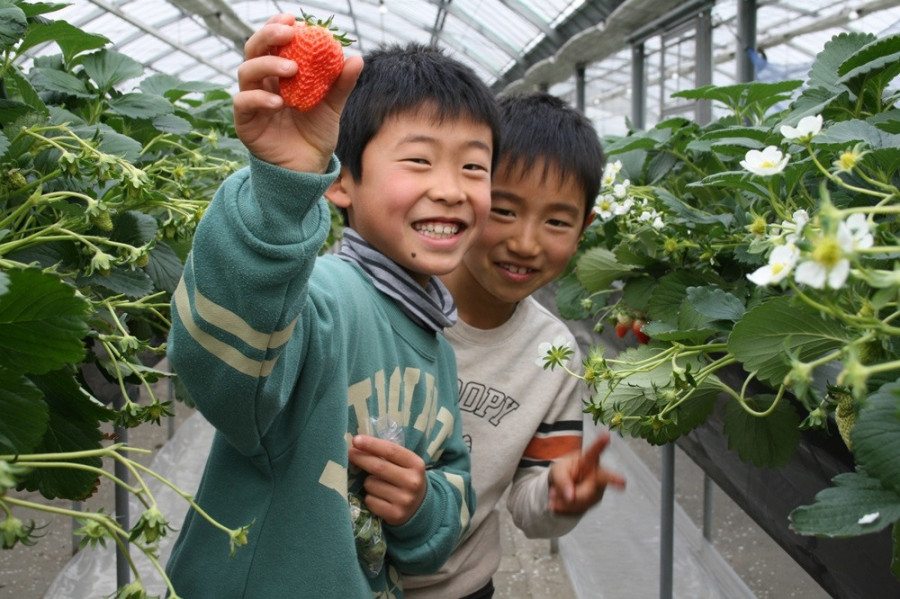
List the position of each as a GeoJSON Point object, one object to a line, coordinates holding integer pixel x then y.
{"type": "Point", "coordinates": [539, 129]}
{"type": "Point", "coordinates": [400, 78]}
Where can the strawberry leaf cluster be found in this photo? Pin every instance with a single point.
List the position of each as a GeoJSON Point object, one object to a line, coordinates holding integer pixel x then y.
{"type": "Point", "coordinates": [762, 252]}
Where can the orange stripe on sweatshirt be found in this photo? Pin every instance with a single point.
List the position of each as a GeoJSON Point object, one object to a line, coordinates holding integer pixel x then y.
{"type": "Point", "coordinates": [550, 448]}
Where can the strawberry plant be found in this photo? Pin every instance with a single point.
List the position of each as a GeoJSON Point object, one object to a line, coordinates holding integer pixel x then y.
{"type": "Point", "coordinates": [104, 175]}
{"type": "Point", "coordinates": [764, 245]}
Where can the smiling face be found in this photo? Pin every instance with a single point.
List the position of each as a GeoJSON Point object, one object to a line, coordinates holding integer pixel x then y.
{"type": "Point", "coordinates": [424, 193]}
{"type": "Point", "coordinates": [533, 231]}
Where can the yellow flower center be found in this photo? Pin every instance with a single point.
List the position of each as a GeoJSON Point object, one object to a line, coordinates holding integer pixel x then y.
{"type": "Point", "coordinates": [758, 226]}
{"type": "Point", "coordinates": [847, 160]}
{"type": "Point", "coordinates": [827, 252]}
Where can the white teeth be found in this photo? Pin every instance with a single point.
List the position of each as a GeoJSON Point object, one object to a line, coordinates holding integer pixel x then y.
{"type": "Point", "coordinates": [519, 270]}
{"type": "Point", "coordinates": [437, 231]}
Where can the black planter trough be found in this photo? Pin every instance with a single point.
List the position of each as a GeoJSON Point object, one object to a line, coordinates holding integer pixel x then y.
{"type": "Point", "coordinates": [851, 568]}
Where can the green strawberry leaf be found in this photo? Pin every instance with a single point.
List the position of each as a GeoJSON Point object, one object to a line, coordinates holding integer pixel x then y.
{"type": "Point", "coordinates": [23, 414]}
{"type": "Point", "coordinates": [670, 293]}
{"type": "Point", "coordinates": [768, 441]}
{"type": "Point", "coordinates": [140, 106]}
{"type": "Point", "coordinates": [134, 228]}
{"type": "Point", "coordinates": [70, 39]}
{"type": "Point", "coordinates": [121, 279]}
{"type": "Point", "coordinates": [782, 326]}
{"type": "Point", "coordinates": [876, 436]}
{"type": "Point", "coordinates": [12, 24]}
{"type": "Point", "coordinates": [715, 303]}
{"type": "Point", "coordinates": [108, 68]}
{"type": "Point", "coordinates": [165, 268]}
{"type": "Point", "coordinates": [42, 322]}
{"type": "Point", "coordinates": [54, 80]}
{"type": "Point", "coordinates": [598, 268]}
{"type": "Point", "coordinates": [74, 426]}
{"type": "Point", "coordinates": [856, 505]}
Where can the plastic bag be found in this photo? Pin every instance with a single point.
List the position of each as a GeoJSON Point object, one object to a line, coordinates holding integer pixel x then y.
{"type": "Point", "coordinates": [385, 427]}
{"type": "Point", "coordinates": [371, 545]}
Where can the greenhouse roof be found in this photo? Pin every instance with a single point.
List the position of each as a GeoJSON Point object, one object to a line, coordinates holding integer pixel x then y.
{"type": "Point", "coordinates": [511, 44]}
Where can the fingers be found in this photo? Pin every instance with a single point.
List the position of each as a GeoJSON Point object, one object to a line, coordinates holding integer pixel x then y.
{"type": "Point", "coordinates": [592, 453]}
{"type": "Point", "coordinates": [277, 31]}
{"type": "Point", "coordinates": [388, 461]}
{"type": "Point", "coordinates": [345, 82]}
{"type": "Point", "coordinates": [396, 485]}
{"type": "Point", "coordinates": [609, 477]}
{"type": "Point", "coordinates": [579, 481]}
{"type": "Point", "coordinates": [388, 450]}
{"type": "Point", "coordinates": [262, 67]}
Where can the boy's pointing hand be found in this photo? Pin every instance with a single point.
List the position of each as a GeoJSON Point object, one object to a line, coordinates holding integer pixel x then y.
{"type": "Point", "coordinates": [577, 481]}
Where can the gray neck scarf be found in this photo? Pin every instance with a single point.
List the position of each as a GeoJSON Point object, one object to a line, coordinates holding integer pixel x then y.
{"type": "Point", "coordinates": [431, 307]}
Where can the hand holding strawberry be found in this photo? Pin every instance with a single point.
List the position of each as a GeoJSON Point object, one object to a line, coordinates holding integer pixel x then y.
{"type": "Point", "coordinates": [273, 131]}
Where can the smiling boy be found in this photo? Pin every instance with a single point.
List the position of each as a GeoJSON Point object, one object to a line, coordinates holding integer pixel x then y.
{"type": "Point", "coordinates": [289, 355]}
{"type": "Point", "coordinates": [523, 423]}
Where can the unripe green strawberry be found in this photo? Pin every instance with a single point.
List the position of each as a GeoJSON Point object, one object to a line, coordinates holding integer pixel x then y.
{"type": "Point", "coordinates": [845, 417]}
{"type": "Point", "coordinates": [319, 55]}
{"type": "Point", "coordinates": [16, 179]}
{"type": "Point", "coordinates": [102, 220]}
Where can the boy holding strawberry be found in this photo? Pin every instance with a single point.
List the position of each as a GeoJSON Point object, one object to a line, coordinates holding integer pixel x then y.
{"type": "Point", "coordinates": [523, 423]}
{"type": "Point", "coordinates": [290, 355]}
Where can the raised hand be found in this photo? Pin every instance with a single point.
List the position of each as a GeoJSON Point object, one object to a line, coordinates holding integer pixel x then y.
{"type": "Point", "coordinates": [272, 131]}
{"type": "Point", "coordinates": [577, 481]}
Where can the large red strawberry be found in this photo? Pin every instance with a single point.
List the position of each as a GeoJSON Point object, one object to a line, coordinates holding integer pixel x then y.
{"type": "Point", "coordinates": [319, 54]}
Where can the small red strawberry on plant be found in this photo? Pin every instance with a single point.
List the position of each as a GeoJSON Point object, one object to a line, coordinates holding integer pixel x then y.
{"type": "Point", "coordinates": [623, 324]}
{"type": "Point", "coordinates": [319, 54]}
{"type": "Point", "coordinates": [637, 328]}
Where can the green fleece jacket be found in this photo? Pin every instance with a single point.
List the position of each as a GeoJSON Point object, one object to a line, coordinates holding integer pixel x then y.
{"type": "Point", "coordinates": [287, 354]}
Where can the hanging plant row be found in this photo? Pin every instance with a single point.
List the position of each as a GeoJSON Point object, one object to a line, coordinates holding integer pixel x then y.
{"type": "Point", "coordinates": [757, 258]}
{"type": "Point", "coordinates": [100, 192]}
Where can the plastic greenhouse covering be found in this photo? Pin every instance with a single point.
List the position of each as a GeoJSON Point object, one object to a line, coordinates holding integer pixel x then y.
{"type": "Point", "coordinates": [510, 43]}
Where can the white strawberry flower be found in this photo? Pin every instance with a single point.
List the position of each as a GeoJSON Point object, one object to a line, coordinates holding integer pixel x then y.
{"type": "Point", "coordinates": [610, 171]}
{"type": "Point", "coordinates": [606, 206]}
{"type": "Point", "coordinates": [806, 129]}
{"type": "Point", "coordinates": [829, 264]}
{"type": "Point", "coordinates": [557, 352]}
{"type": "Point", "coordinates": [858, 226]}
{"type": "Point", "coordinates": [769, 161]}
{"type": "Point", "coordinates": [781, 262]}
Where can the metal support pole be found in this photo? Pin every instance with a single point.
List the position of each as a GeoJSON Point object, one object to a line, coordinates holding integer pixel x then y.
{"type": "Point", "coordinates": [579, 87]}
{"type": "Point", "coordinates": [76, 505]}
{"type": "Point", "coordinates": [123, 574]}
{"type": "Point", "coordinates": [707, 506]}
{"type": "Point", "coordinates": [638, 86]}
{"type": "Point", "coordinates": [704, 61]}
{"type": "Point", "coordinates": [746, 38]}
{"type": "Point", "coordinates": [667, 521]}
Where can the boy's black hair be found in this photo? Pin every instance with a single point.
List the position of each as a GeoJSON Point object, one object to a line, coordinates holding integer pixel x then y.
{"type": "Point", "coordinates": [538, 129]}
{"type": "Point", "coordinates": [400, 78]}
